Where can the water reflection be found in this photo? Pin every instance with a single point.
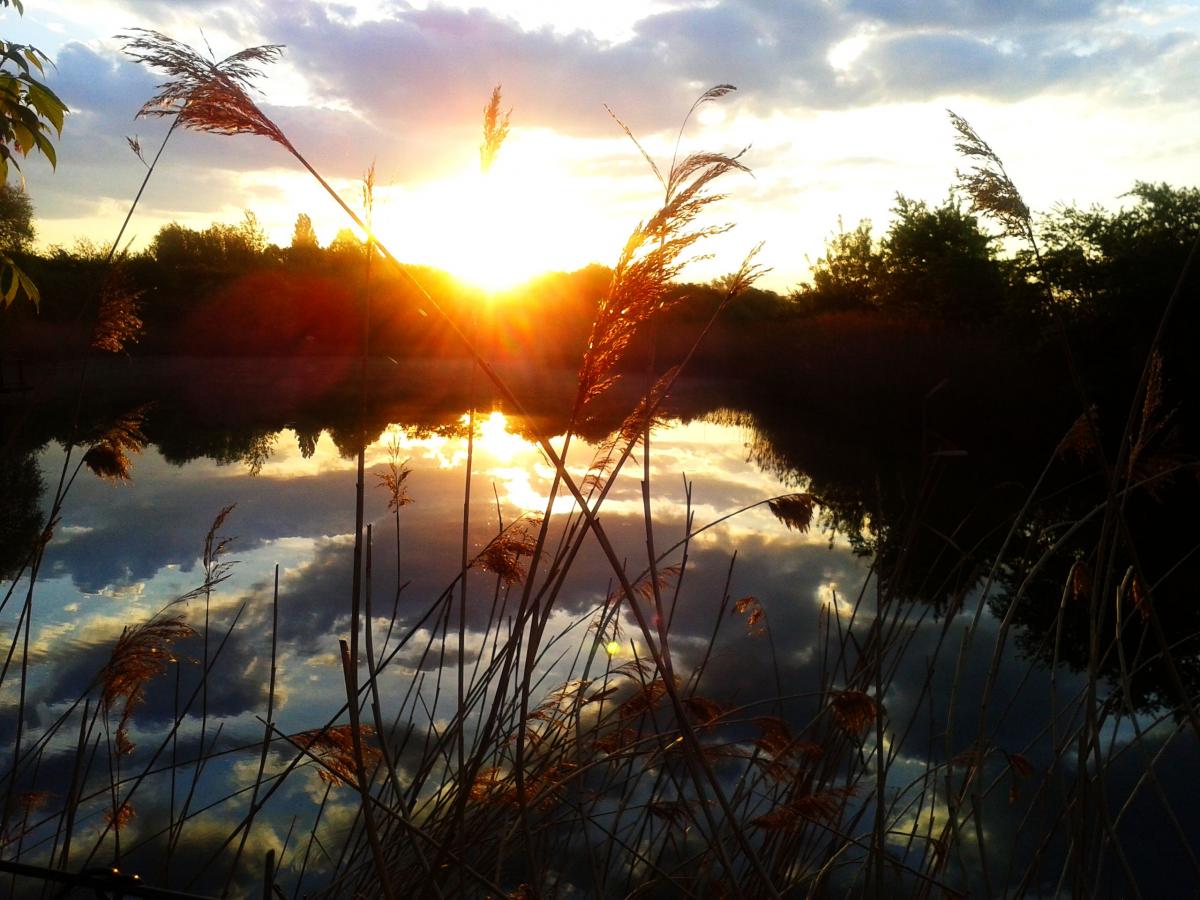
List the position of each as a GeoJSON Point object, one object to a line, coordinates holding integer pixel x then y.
{"type": "Point", "coordinates": [906, 538]}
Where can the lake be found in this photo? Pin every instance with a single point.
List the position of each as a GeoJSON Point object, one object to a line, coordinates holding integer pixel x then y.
{"type": "Point", "coordinates": [878, 661]}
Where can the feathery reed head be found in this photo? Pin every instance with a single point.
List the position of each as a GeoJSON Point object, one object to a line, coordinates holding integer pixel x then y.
{"type": "Point", "coordinates": [118, 322]}
{"type": "Point", "coordinates": [136, 146]}
{"type": "Point", "coordinates": [216, 568]}
{"type": "Point", "coordinates": [794, 510]}
{"type": "Point", "coordinates": [991, 191]}
{"type": "Point", "coordinates": [108, 454]}
{"type": "Point", "coordinates": [393, 481]}
{"type": "Point", "coordinates": [654, 255]}
{"type": "Point", "coordinates": [368, 192]}
{"type": "Point", "coordinates": [140, 654]}
{"type": "Point", "coordinates": [502, 555]}
{"type": "Point", "coordinates": [120, 817]}
{"type": "Point", "coordinates": [855, 711]}
{"type": "Point", "coordinates": [334, 747]}
{"type": "Point", "coordinates": [822, 806]}
{"type": "Point", "coordinates": [202, 94]}
{"type": "Point", "coordinates": [754, 613]}
{"type": "Point", "coordinates": [495, 130]}
{"type": "Point", "coordinates": [743, 278]}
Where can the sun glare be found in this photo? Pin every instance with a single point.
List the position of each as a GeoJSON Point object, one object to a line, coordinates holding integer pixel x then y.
{"type": "Point", "coordinates": [525, 216]}
{"type": "Point", "coordinates": [496, 439]}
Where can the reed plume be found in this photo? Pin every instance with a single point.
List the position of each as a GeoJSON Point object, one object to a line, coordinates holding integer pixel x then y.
{"type": "Point", "coordinates": [334, 749]}
{"type": "Point", "coordinates": [754, 613]}
{"type": "Point", "coordinates": [655, 253]}
{"type": "Point", "coordinates": [393, 481]}
{"type": "Point", "coordinates": [822, 806]}
{"type": "Point", "coordinates": [202, 94]}
{"type": "Point", "coordinates": [503, 554]}
{"type": "Point", "coordinates": [118, 818]}
{"type": "Point", "coordinates": [495, 130]}
{"type": "Point", "coordinates": [794, 510]}
{"type": "Point", "coordinates": [855, 711]}
{"type": "Point", "coordinates": [118, 323]}
{"type": "Point", "coordinates": [140, 654]}
{"type": "Point", "coordinates": [991, 190]}
{"type": "Point", "coordinates": [108, 454]}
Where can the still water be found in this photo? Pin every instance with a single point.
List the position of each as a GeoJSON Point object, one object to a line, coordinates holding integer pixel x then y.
{"type": "Point", "coordinates": [776, 617]}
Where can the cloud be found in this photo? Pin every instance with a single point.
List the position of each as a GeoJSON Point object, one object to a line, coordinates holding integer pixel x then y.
{"type": "Point", "coordinates": [919, 66]}
{"type": "Point", "coordinates": [973, 13]}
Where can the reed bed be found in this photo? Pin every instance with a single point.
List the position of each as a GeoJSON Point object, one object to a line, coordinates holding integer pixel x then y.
{"type": "Point", "coordinates": [565, 768]}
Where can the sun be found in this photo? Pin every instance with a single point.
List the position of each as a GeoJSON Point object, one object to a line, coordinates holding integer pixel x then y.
{"type": "Point", "coordinates": [529, 214]}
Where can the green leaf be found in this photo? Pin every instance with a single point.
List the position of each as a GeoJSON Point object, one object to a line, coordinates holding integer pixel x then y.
{"type": "Point", "coordinates": [24, 138]}
{"type": "Point", "coordinates": [18, 282]}
{"type": "Point", "coordinates": [47, 103]}
{"type": "Point", "coordinates": [27, 285]}
{"type": "Point", "coordinates": [35, 57]}
{"type": "Point", "coordinates": [10, 293]}
{"type": "Point", "coordinates": [47, 149]}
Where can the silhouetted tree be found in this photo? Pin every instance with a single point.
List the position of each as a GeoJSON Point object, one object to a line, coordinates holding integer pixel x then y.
{"type": "Point", "coordinates": [16, 220]}
{"type": "Point", "coordinates": [1121, 266]}
{"type": "Point", "coordinates": [940, 265]}
{"type": "Point", "coordinates": [304, 237]}
{"type": "Point", "coordinates": [220, 246]}
{"type": "Point", "coordinates": [849, 276]}
{"type": "Point", "coordinates": [347, 244]}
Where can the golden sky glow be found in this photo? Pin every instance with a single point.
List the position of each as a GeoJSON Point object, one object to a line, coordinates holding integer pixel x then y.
{"type": "Point", "coordinates": [494, 230]}
{"type": "Point", "coordinates": [841, 104]}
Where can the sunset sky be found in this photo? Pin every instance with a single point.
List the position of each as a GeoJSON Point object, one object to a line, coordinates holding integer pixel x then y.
{"type": "Point", "coordinates": [841, 105]}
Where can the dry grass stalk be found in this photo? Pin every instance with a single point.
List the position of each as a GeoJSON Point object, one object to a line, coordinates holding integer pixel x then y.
{"type": "Point", "coordinates": [794, 510]}
{"type": "Point", "coordinates": [1154, 455]}
{"type": "Point", "coordinates": [495, 130]}
{"type": "Point", "coordinates": [643, 417]}
{"type": "Point", "coordinates": [108, 454]}
{"type": "Point", "coordinates": [136, 146]}
{"type": "Point", "coordinates": [205, 95]}
{"type": "Point", "coordinates": [615, 741]}
{"type": "Point", "coordinates": [783, 755]}
{"type": "Point", "coordinates": [646, 586]}
{"type": "Point", "coordinates": [1140, 598]}
{"type": "Point", "coordinates": [776, 737]}
{"type": "Point", "coordinates": [674, 812]}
